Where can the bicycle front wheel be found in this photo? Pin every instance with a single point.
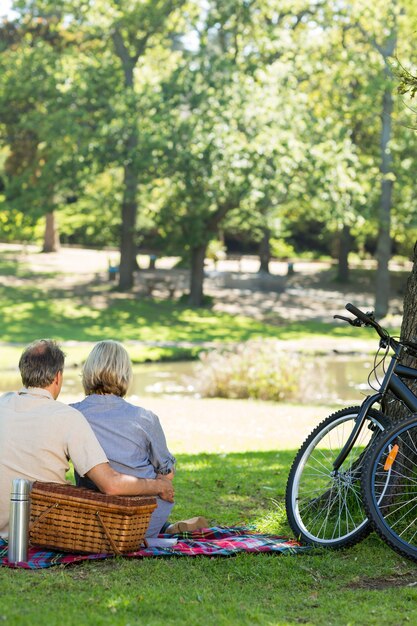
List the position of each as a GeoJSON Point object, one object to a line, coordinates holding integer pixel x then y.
{"type": "Point", "coordinates": [324, 508]}
{"type": "Point", "coordinates": [389, 487]}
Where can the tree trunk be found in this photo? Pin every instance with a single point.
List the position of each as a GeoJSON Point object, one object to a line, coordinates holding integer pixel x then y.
{"type": "Point", "coordinates": [127, 237]}
{"type": "Point", "coordinates": [198, 252]}
{"type": "Point", "coordinates": [408, 331]}
{"type": "Point", "coordinates": [198, 255]}
{"type": "Point", "coordinates": [131, 175]}
{"type": "Point", "coordinates": [409, 323]}
{"type": "Point", "coordinates": [265, 251]}
{"type": "Point", "coordinates": [343, 255]}
{"type": "Point", "coordinates": [383, 253]}
{"type": "Point", "coordinates": [51, 235]}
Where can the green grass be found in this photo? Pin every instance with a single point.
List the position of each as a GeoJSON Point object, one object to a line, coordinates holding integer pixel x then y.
{"type": "Point", "coordinates": [179, 332]}
{"type": "Point", "coordinates": [367, 584]}
{"type": "Point", "coordinates": [27, 312]}
{"type": "Point", "coordinates": [156, 330]}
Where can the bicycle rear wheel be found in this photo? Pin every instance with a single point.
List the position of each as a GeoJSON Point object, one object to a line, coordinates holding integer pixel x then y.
{"type": "Point", "coordinates": [324, 508]}
{"type": "Point", "coordinates": [389, 487]}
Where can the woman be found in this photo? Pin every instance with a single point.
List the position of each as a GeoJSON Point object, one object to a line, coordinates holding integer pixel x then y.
{"type": "Point", "coordinates": [131, 436]}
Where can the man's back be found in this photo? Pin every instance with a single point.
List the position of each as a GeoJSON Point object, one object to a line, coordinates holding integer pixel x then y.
{"type": "Point", "coordinates": [38, 435]}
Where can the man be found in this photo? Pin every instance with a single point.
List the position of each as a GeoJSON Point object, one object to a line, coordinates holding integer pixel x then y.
{"type": "Point", "coordinates": [38, 436]}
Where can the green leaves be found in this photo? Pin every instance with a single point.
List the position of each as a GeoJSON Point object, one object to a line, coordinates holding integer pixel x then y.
{"type": "Point", "coordinates": [228, 114]}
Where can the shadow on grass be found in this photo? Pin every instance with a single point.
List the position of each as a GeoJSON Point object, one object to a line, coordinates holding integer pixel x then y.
{"type": "Point", "coordinates": [28, 312]}
{"type": "Point", "coordinates": [361, 280]}
{"type": "Point", "coordinates": [9, 266]}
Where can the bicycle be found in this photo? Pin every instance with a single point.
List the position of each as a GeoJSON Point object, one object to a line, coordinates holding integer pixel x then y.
{"type": "Point", "coordinates": [323, 494]}
{"type": "Point", "coordinates": [389, 487]}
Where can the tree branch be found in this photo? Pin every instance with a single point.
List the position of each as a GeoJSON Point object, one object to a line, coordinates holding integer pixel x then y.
{"type": "Point", "coordinates": [219, 214]}
{"type": "Point", "coordinates": [122, 52]}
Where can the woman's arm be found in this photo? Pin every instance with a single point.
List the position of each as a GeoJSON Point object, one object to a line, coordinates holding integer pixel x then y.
{"type": "Point", "coordinates": [159, 455]}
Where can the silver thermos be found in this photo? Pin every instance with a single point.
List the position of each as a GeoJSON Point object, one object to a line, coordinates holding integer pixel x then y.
{"type": "Point", "coordinates": [19, 521]}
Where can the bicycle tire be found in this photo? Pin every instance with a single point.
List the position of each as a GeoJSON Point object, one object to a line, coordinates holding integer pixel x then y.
{"type": "Point", "coordinates": [393, 516]}
{"type": "Point", "coordinates": [322, 509]}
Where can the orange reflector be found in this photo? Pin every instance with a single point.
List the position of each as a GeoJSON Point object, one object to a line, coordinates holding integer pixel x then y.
{"type": "Point", "coordinates": [391, 458]}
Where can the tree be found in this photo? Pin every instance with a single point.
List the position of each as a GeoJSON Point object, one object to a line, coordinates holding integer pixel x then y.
{"type": "Point", "coordinates": [357, 150]}
{"type": "Point", "coordinates": [90, 119]}
{"type": "Point", "coordinates": [30, 48]}
{"type": "Point", "coordinates": [386, 49]}
{"type": "Point", "coordinates": [43, 118]}
{"type": "Point", "coordinates": [408, 82]}
{"type": "Point", "coordinates": [383, 37]}
{"type": "Point", "coordinates": [136, 26]}
{"type": "Point", "coordinates": [395, 409]}
{"type": "Point", "coordinates": [232, 108]}
{"type": "Point", "coordinates": [263, 110]}
{"type": "Point", "coordinates": [408, 85]}
{"type": "Point", "coordinates": [409, 323]}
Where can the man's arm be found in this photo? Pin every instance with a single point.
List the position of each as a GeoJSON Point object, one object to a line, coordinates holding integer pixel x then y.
{"type": "Point", "coordinates": [115, 484]}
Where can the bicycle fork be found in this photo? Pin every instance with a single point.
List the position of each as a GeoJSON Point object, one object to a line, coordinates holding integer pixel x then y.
{"type": "Point", "coordinates": [359, 422]}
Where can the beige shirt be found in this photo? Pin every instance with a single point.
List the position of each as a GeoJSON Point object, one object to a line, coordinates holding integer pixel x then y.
{"type": "Point", "coordinates": [38, 436]}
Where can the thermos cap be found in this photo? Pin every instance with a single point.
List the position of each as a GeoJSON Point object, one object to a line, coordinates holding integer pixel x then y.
{"type": "Point", "coordinates": [20, 488]}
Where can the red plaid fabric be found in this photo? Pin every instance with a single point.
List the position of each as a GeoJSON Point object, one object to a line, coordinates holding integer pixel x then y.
{"type": "Point", "coordinates": [218, 541]}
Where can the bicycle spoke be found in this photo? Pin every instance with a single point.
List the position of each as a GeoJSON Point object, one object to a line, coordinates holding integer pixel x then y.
{"type": "Point", "coordinates": [399, 508]}
{"type": "Point", "coordinates": [395, 513]}
{"type": "Point", "coordinates": [324, 497]}
{"type": "Point", "coordinates": [327, 505]}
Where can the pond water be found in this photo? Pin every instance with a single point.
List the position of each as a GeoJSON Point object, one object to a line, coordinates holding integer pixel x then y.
{"type": "Point", "coordinates": [328, 379]}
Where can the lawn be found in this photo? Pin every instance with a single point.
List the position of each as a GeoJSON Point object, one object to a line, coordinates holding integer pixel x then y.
{"type": "Point", "coordinates": [153, 329]}
{"type": "Point", "coordinates": [36, 303]}
{"type": "Point", "coordinates": [367, 584]}
{"type": "Point", "coordinates": [27, 312]}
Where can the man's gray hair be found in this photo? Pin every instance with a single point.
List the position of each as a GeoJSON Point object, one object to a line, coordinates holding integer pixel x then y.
{"type": "Point", "coordinates": [40, 363]}
{"type": "Point", "coordinates": [108, 369]}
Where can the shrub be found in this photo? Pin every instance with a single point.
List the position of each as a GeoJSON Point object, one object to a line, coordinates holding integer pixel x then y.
{"type": "Point", "coordinates": [280, 249]}
{"type": "Point", "coordinates": [254, 369]}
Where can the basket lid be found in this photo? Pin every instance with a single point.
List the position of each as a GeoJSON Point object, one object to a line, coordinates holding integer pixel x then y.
{"type": "Point", "coordinates": [67, 491]}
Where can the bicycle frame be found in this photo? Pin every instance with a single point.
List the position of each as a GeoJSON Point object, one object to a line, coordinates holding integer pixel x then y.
{"type": "Point", "coordinates": [392, 382]}
{"type": "Point", "coordinates": [322, 496]}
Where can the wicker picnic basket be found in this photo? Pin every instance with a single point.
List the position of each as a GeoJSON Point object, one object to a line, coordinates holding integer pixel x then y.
{"type": "Point", "coordinates": [75, 519]}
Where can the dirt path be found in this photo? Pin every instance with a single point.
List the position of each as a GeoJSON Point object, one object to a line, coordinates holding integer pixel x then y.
{"type": "Point", "coordinates": [216, 425]}
{"type": "Point", "coordinates": [195, 425]}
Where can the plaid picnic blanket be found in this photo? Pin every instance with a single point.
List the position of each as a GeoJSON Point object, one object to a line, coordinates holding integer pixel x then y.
{"type": "Point", "coordinates": [217, 541]}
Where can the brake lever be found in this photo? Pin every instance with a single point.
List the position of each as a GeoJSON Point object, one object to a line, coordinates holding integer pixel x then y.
{"type": "Point", "coordinates": [352, 322]}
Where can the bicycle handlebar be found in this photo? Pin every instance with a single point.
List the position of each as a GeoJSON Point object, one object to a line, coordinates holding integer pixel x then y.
{"type": "Point", "coordinates": [365, 318]}
{"type": "Point", "coordinates": [368, 320]}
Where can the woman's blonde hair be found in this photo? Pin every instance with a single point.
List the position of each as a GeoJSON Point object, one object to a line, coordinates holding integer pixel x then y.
{"type": "Point", "coordinates": [107, 369]}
